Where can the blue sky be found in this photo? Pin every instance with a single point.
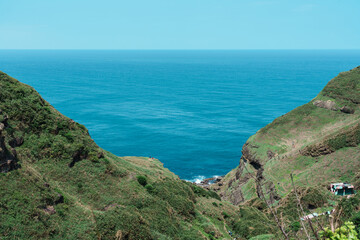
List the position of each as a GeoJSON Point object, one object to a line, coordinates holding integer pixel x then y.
{"type": "Point", "coordinates": [180, 24]}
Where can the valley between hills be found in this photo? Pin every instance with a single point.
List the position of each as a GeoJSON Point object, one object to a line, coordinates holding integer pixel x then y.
{"type": "Point", "coordinates": [57, 183]}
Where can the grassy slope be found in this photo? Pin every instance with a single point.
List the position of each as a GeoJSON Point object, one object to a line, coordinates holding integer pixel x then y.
{"type": "Point", "coordinates": [297, 140]}
{"type": "Point", "coordinates": [309, 126]}
{"type": "Point", "coordinates": [317, 145]}
{"type": "Point", "coordinates": [66, 187]}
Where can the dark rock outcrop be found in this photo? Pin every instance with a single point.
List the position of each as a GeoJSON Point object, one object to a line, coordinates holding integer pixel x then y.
{"type": "Point", "coordinates": [345, 138]}
{"type": "Point", "coordinates": [237, 197]}
{"type": "Point", "coordinates": [16, 142]}
{"type": "Point", "coordinates": [348, 110]}
{"type": "Point", "coordinates": [316, 150]}
{"type": "Point", "coordinates": [8, 156]}
{"type": "Point", "coordinates": [270, 154]}
{"type": "Point", "coordinates": [78, 156]}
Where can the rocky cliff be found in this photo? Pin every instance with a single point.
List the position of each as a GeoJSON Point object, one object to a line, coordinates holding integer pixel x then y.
{"type": "Point", "coordinates": [318, 142]}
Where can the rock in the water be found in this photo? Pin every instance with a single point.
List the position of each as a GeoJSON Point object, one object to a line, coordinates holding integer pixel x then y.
{"type": "Point", "coordinates": [326, 104]}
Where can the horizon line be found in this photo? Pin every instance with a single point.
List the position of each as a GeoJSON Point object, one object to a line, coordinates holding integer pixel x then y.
{"type": "Point", "coordinates": [185, 49]}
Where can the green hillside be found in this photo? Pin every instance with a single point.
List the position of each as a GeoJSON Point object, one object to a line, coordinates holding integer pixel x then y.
{"type": "Point", "coordinates": [317, 142]}
{"type": "Point", "coordinates": [56, 183]}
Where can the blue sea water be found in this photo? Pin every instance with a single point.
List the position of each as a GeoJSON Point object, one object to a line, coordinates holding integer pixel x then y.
{"type": "Point", "coordinates": [193, 110]}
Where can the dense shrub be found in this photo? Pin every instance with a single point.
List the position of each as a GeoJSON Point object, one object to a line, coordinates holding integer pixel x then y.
{"type": "Point", "coordinates": [225, 214]}
{"type": "Point", "coordinates": [345, 232]}
{"type": "Point", "coordinates": [252, 223]}
{"type": "Point", "coordinates": [123, 223]}
{"type": "Point", "coordinates": [295, 226]}
{"type": "Point", "coordinates": [149, 188]}
{"type": "Point", "coordinates": [45, 132]}
{"type": "Point", "coordinates": [310, 198]}
{"type": "Point", "coordinates": [142, 180]}
{"type": "Point", "coordinates": [356, 220]}
{"type": "Point", "coordinates": [180, 196]}
{"type": "Point", "coordinates": [348, 207]}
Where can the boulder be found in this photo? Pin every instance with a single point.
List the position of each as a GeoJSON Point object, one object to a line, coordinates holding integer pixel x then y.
{"type": "Point", "coordinates": [270, 154]}
{"type": "Point", "coordinates": [330, 105]}
{"type": "Point", "coordinates": [49, 210]}
{"type": "Point", "coordinates": [8, 157]}
{"type": "Point", "coordinates": [346, 109]}
{"type": "Point", "coordinates": [16, 142]}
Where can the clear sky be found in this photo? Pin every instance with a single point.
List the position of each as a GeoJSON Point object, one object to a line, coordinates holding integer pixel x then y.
{"type": "Point", "coordinates": [179, 24]}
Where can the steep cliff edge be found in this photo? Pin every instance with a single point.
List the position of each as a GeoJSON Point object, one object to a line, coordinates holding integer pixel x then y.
{"type": "Point", "coordinates": [317, 142]}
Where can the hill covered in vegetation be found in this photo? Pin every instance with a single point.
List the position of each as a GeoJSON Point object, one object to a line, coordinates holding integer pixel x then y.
{"type": "Point", "coordinates": [56, 183]}
{"type": "Point", "coordinates": [318, 143]}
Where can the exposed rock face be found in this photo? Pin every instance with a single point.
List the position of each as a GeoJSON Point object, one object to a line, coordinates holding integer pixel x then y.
{"type": "Point", "coordinates": [242, 177]}
{"type": "Point", "coordinates": [16, 142]}
{"type": "Point", "coordinates": [346, 138]}
{"type": "Point", "coordinates": [330, 105]}
{"type": "Point", "coordinates": [251, 158]}
{"type": "Point", "coordinates": [236, 196]}
{"type": "Point", "coordinates": [316, 150]}
{"type": "Point", "coordinates": [326, 104]}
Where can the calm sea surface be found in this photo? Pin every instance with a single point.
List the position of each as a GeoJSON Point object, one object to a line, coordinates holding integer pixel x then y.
{"type": "Point", "coordinates": [193, 110]}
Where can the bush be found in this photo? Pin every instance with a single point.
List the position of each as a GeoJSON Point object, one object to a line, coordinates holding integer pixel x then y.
{"type": "Point", "coordinates": [356, 220]}
{"type": "Point", "coordinates": [142, 180]}
{"type": "Point", "coordinates": [215, 204]}
{"type": "Point", "coordinates": [345, 232]}
{"type": "Point", "coordinates": [295, 226]}
{"type": "Point", "coordinates": [178, 195]}
{"type": "Point", "coordinates": [225, 214]}
{"type": "Point", "coordinates": [149, 188]}
{"type": "Point", "coordinates": [311, 198]}
{"type": "Point", "coordinates": [251, 223]}
{"type": "Point", "coordinates": [114, 171]}
{"type": "Point", "coordinates": [348, 207]}
{"type": "Point", "coordinates": [127, 221]}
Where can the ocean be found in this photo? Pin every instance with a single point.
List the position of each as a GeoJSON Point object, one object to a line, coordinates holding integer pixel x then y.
{"type": "Point", "coordinates": [193, 110]}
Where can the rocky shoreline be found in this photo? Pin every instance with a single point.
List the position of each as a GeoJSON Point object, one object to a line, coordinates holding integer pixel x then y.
{"type": "Point", "coordinates": [209, 181]}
